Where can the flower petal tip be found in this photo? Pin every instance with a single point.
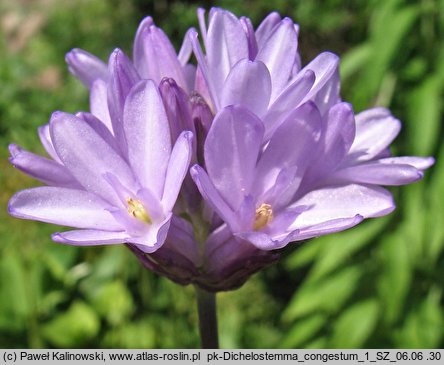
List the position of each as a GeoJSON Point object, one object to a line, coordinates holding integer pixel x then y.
{"type": "Point", "coordinates": [386, 211]}
{"type": "Point", "coordinates": [116, 52]}
{"type": "Point", "coordinates": [194, 170]}
{"type": "Point", "coordinates": [188, 135]}
{"type": "Point", "coordinates": [287, 22]}
{"type": "Point", "coordinates": [428, 162]}
{"type": "Point", "coordinates": [57, 237]}
{"type": "Point", "coordinates": [333, 56]}
{"type": "Point", "coordinates": [192, 34]}
{"type": "Point", "coordinates": [69, 56]}
{"type": "Point", "coordinates": [12, 210]}
{"type": "Point", "coordinates": [146, 22]}
{"type": "Point", "coordinates": [14, 150]}
{"type": "Point", "coordinates": [116, 58]}
{"type": "Point", "coordinates": [73, 56]}
{"type": "Point", "coordinates": [56, 116]}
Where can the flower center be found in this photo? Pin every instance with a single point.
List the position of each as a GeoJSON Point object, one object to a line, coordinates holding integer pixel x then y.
{"type": "Point", "coordinates": [264, 215]}
{"type": "Point", "coordinates": [137, 210]}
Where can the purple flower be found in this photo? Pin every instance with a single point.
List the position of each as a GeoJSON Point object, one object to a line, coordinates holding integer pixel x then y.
{"type": "Point", "coordinates": [357, 151]}
{"type": "Point", "coordinates": [276, 155]}
{"type": "Point", "coordinates": [311, 178]}
{"type": "Point", "coordinates": [113, 195]}
{"type": "Point", "coordinates": [260, 69]}
{"type": "Point", "coordinates": [154, 58]}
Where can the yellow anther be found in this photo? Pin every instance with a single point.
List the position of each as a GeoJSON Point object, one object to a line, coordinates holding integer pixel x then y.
{"type": "Point", "coordinates": [264, 215]}
{"type": "Point", "coordinates": [137, 210]}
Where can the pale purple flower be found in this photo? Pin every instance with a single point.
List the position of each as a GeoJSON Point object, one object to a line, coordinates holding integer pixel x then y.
{"type": "Point", "coordinates": [276, 155]}
{"type": "Point", "coordinates": [307, 180]}
{"type": "Point", "coordinates": [260, 69]}
{"type": "Point", "coordinates": [154, 58]}
{"type": "Point", "coordinates": [86, 67]}
{"type": "Point", "coordinates": [113, 193]}
{"type": "Point", "coordinates": [356, 150]}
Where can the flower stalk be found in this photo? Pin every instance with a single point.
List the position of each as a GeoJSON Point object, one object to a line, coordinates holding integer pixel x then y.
{"type": "Point", "coordinates": [206, 309]}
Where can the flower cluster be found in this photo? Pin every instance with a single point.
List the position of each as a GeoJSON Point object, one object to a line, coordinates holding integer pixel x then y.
{"type": "Point", "coordinates": [205, 171]}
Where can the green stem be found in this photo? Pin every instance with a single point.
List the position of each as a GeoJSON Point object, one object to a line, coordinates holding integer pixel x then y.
{"type": "Point", "coordinates": [206, 308]}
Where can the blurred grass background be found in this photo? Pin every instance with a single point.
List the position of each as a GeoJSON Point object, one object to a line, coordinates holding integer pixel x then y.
{"type": "Point", "coordinates": [379, 285]}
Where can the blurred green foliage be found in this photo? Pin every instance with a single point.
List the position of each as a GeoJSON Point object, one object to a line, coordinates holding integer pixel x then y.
{"type": "Point", "coordinates": [379, 285]}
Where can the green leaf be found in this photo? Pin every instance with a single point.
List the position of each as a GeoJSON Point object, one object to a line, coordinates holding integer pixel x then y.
{"type": "Point", "coordinates": [434, 239]}
{"type": "Point", "coordinates": [303, 331]}
{"type": "Point", "coordinates": [424, 325]}
{"type": "Point", "coordinates": [73, 328]}
{"type": "Point", "coordinates": [325, 296]}
{"type": "Point", "coordinates": [262, 336]}
{"type": "Point", "coordinates": [132, 335]}
{"type": "Point", "coordinates": [114, 302]}
{"type": "Point", "coordinates": [415, 69]}
{"type": "Point", "coordinates": [51, 300]}
{"type": "Point", "coordinates": [338, 248]}
{"type": "Point", "coordinates": [14, 306]}
{"type": "Point", "coordinates": [390, 25]}
{"type": "Point", "coordinates": [355, 325]}
{"type": "Point", "coordinates": [304, 254]}
{"type": "Point", "coordinates": [413, 225]}
{"type": "Point", "coordinates": [59, 259]}
{"type": "Point", "coordinates": [424, 108]}
{"type": "Point", "coordinates": [395, 277]}
{"type": "Point", "coordinates": [109, 264]}
{"type": "Point", "coordinates": [319, 343]}
{"type": "Point", "coordinates": [387, 32]}
{"type": "Point", "coordinates": [111, 261]}
{"type": "Point", "coordinates": [355, 60]}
